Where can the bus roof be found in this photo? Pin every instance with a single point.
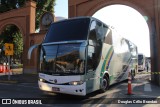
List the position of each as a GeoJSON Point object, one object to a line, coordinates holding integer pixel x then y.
{"type": "Point", "coordinates": [83, 17]}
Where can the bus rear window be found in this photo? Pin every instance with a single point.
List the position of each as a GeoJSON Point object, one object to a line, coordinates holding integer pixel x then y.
{"type": "Point", "coordinates": [68, 30]}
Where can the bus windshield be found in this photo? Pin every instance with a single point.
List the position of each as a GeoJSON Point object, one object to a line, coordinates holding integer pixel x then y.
{"type": "Point", "coordinates": [75, 29]}
{"type": "Point", "coordinates": [61, 59]}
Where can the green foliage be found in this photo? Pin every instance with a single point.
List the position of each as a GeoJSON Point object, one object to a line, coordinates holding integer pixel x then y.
{"type": "Point", "coordinates": [18, 44]}
{"type": "Point", "coordinates": [43, 6]}
{"type": "Point", "coordinates": [12, 35]}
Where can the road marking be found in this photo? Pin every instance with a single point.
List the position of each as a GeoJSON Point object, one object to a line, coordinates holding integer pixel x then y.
{"type": "Point", "coordinates": [147, 87]}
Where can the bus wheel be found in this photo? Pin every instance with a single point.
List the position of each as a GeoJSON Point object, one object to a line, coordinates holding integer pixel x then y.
{"type": "Point", "coordinates": [104, 84]}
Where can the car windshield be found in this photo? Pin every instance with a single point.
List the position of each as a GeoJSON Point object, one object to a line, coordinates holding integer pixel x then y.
{"type": "Point", "coordinates": [75, 29]}
{"type": "Point", "coordinates": [61, 59]}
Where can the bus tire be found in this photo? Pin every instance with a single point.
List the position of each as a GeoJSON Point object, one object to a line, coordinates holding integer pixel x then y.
{"type": "Point", "coordinates": [104, 84]}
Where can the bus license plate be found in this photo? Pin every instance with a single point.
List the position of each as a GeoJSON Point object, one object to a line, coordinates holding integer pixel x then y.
{"type": "Point", "coordinates": [55, 89]}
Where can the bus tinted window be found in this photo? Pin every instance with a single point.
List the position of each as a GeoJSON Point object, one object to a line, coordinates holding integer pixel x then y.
{"type": "Point", "coordinates": [96, 35]}
{"type": "Point", "coordinates": [61, 59]}
{"type": "Point", "coordinates": [75, 29]}
{"type": "Point", "coordinates": [108, 37]}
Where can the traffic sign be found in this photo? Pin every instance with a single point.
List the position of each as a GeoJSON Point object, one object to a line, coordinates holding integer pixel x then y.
{"type": "Point", "coordinates": [8, 48]}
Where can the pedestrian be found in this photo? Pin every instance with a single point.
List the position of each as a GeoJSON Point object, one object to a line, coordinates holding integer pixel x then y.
{"type": "Point", "coordinates": [147, 66]}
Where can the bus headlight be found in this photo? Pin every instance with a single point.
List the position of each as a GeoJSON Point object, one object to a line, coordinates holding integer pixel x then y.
{"type": "Point", "coordinates": [41, 80]}
{"type": "Point", "coordinates": [76, 82]}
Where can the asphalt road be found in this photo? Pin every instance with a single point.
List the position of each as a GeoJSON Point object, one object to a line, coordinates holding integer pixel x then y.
{"type": "Point", "coordinates": [95, 99]}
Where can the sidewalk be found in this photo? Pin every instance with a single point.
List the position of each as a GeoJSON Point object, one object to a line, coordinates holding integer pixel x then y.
{"type": "Point", "coordinates": [142, 86]}
{"type": "Point", "coordinates": [143, 91]}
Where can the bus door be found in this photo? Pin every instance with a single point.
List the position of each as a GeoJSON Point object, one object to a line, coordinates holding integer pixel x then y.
{"type": "Point", "coordinates": [93, 56]}
{"type": "Point", "coordinates": [90, 72]}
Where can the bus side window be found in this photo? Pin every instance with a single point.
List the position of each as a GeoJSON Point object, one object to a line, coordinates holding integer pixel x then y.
{"type": "Point", "coordinates": [108, 37]}
{"type": "Point", "coordinates": [124, 46]}
{"type": "Point", "coordinates": [116, 42]}
{"type": "Point", "coordinates": [92, 40]}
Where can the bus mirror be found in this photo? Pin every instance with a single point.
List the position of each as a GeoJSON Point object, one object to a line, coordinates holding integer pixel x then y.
{"type": "Point", "coordinates": [31, 49]}
{"type": "Point", "coordinates": [82, 52]}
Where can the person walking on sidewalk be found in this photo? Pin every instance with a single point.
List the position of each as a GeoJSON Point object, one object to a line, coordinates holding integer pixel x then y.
{"type": "Point", "coordinates": [147, 66]}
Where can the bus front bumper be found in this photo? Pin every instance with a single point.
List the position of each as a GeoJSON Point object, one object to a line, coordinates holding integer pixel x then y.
{"type": "Point", "coordinates": [140, 68]}
{"type": "Point", "coordinates": [66, 89]}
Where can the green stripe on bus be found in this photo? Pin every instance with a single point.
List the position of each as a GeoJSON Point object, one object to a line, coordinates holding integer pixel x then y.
{"type": "Point", "coordinates": [106, 60]}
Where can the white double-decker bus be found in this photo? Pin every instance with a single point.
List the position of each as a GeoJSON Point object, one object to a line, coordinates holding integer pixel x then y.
{"type": "Point", "coordinates": [81, 55]}
{"type": "Point", "coordinates": [141, 62]}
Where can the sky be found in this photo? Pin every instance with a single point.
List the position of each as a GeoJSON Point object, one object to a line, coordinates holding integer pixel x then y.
{"type": "Point", "coordinates": [61, 8]}
{"type": "Point", "coordinates": [126, 20]}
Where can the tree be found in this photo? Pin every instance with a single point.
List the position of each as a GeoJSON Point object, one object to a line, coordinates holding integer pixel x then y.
{"type": "Point", "coordinates": [43, 6]}
{"type": "Point", "coordinates": [18, 45]}
{"type": "Point", "coordinates": [15, 37]}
